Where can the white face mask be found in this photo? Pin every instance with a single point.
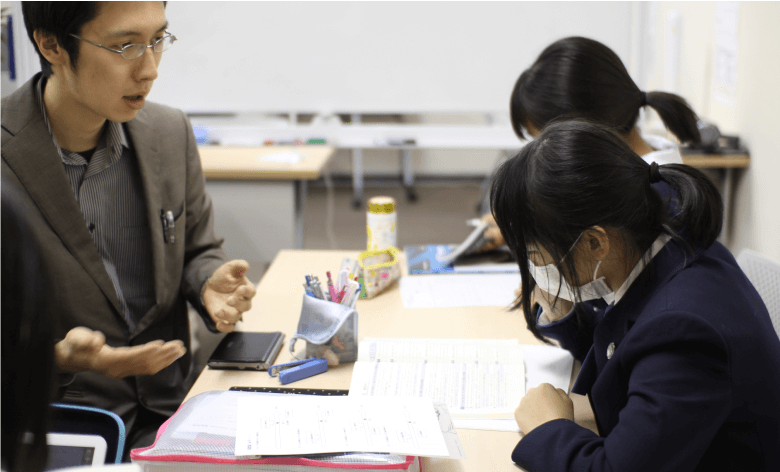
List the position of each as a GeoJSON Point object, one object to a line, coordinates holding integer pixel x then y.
{"type": "Point", "coordinates": [549, 279]}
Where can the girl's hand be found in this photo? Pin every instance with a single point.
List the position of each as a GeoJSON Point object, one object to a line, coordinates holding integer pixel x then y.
{"type": "Point", "coordinates": [542, 404]}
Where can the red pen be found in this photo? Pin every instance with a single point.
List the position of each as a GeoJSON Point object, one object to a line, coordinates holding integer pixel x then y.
{"type": "Point", "coordinates": [341, 294]}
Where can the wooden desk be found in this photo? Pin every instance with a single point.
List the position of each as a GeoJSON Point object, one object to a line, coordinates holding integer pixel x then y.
{"type": "Point", "coordinates": [259, 204]}
{"type": "Point", "coordinates": [246, 163]}
{"type": "Point", "coordinates": [716, 161]}
{"type": "Point", "coordinates": [277, 307]}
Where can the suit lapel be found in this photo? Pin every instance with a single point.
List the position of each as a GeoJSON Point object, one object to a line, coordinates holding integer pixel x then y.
{"type": "Point", "coordinates": [32, 156]}
{"type": "Point", "coordinates": [147, 146]}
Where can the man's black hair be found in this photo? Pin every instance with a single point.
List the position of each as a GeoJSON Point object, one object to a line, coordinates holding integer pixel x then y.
{"type": "Point", "coordinates": [60, 20]}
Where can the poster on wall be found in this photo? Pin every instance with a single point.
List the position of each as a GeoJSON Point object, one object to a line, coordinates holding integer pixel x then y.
{"type": "Point", "coordinates": [724, 87]}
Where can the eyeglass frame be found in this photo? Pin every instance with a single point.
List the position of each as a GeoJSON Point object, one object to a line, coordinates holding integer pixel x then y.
{"type": "Point", "coordinates": [122, 51]}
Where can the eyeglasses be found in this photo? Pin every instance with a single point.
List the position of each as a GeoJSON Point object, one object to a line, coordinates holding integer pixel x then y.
{"type": "Point", "coordinates": [136, 50]}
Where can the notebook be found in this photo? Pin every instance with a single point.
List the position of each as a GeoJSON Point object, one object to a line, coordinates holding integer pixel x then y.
{"type": "Point", "coordinates": [242, 350]}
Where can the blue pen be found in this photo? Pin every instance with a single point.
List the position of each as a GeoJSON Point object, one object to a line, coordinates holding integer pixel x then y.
{"type": "Point", "coordinates": [356, 296]}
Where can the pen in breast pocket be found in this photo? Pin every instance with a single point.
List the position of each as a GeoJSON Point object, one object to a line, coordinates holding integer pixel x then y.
{"type": "Point", "coordinates": [169, 226]}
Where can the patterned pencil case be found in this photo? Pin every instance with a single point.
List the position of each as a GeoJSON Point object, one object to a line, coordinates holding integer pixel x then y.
{"type": "Point", "coordinates": [379, 269]}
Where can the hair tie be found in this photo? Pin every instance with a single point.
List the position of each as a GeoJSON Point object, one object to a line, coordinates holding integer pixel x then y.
{"type": "Point", "coordinates": [642, 99]}
{"type": "Point", "coordinates": [655, 173]}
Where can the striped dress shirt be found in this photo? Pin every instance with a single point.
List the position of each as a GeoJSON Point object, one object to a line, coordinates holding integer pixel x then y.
{"type": "Point", "coordinates": [109, 192]}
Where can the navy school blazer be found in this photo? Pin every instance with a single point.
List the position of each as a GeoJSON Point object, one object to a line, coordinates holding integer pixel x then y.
{"type": "Point", "coordinates": [693, 381]}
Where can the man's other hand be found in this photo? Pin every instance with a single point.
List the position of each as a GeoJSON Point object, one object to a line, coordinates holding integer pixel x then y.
{"type": "Point", "coordinates": [228, 294]}
{"type": "Point", "coordinates": [84, 349]}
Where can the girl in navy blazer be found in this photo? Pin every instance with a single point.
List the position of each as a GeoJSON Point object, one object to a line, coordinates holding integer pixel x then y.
{"type": "Point", "coordinates": [680, 362]}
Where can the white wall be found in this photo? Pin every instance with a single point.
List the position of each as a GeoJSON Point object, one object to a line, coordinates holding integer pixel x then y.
{"type": "Point", "coordinates": [367, 57]}
{"type": "Point", "coordinates": [755, 115]}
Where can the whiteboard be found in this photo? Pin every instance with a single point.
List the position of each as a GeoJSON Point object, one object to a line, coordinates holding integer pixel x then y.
{"type": "Point", "coordinates": [367, 57]}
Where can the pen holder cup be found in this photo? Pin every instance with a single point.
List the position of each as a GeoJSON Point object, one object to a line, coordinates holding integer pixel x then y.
{"type": "Point", "coordinates": [329, 329]}
{"type": "Point", "coordinates": [378, 269]}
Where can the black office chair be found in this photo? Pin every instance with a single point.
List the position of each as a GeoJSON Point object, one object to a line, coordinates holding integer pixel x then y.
{"type": "Point", "coordinates": [76, 419]}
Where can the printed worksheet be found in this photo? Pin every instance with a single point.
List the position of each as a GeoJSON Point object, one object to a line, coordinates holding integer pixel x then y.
{"type": "Point", "coordinates": [301, 424]}
{"type": "Point", "coordinates": [475, 378]}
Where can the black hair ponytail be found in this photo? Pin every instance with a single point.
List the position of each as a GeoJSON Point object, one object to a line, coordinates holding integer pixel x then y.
{"type": "Point", "coordinates": [700, 205]}
{"type": "Point", "coordinates": [676, 115]}
{"type": "Point", "coordinates": [578, 77]}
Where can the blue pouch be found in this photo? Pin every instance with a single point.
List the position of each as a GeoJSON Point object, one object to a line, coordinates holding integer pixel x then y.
{"type": "Point", "coordinates": [329, 329]}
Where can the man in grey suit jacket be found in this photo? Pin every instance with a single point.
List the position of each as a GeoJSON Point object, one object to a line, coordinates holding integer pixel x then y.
{"type": "Point", "coordinates": [116, 197]}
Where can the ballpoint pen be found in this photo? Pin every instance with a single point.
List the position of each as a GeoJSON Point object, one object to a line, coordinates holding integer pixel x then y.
{"type": "Point", "coordinates": [356, 296]}
{"type": "Point", "coordinates": [169, 226]}
{"type": "Point", "coordinates": [343, 277]}
{"type": "Point", "coordinates": [318, 289]}
{"type": "Point", "coordinates": [331, 288]}
{"type": "Point", "coordinates": [341, 294]}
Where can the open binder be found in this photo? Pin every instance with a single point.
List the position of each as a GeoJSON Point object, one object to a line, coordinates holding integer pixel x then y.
{"type": "Point", "coordinates": [201, 436]}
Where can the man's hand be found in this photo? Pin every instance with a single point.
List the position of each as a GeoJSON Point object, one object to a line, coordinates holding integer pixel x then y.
{"type": "Point", "coordinates": [492, 233]}
{"type": "Point", "coordinates": [228, 294]}
{"type": "Point", "coordinates": [542, 404]}
{"type": "Point", "coordinates": [84, 349]}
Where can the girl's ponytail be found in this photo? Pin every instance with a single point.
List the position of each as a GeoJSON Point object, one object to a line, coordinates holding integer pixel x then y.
{"type": "Point", "coordinates": [676, 114]}
{"type": "Point", "coordinates": [700, 205]}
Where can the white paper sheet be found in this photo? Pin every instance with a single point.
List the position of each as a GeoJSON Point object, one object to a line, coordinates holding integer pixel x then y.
{"type": "Point", "coordinates": [543, 364]}
{"type": "Point", "coordinates": [487, 268]}
{"type": "Point", "coordinates": [447, 427]}
{"type": "Point", "coordinates": [458, 290]}
{"type": "Point", "coordinates": [480, 378]}
{"type": "Point", "coordinates": [281, 158]}
{"type": "Point", "coordinates": [215, 415]}
{"type": "Point", "coordinates": [300, 424]}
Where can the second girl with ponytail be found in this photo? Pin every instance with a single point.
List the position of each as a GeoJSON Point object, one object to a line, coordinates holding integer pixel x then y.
{"type": "Point", "coordinates": [581, 78]}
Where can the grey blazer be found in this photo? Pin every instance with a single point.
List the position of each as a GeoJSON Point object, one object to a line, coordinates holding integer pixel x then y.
{"type": "Point", "coordinates": [171, 176]}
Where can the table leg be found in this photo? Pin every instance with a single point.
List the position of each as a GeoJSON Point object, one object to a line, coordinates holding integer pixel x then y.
{"type": "Point", "coordinates": [357, 170]}
{"type": "Point", "coordinates": [408, 172]}
{"type": "Point", "coordinates": [357, 178]}
{"type": "Point", "coordinates": [301, 189]}
{"type": "Point", "coordinates": [728, 189]}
